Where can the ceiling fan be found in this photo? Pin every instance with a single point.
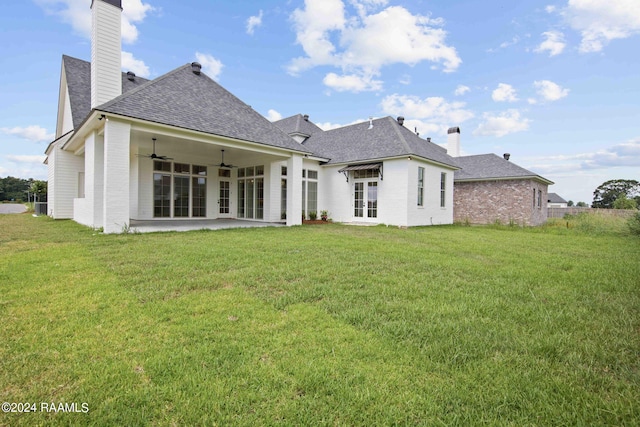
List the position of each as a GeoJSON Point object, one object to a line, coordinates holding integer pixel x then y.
{"type": "Point", "coordinates": [222, 164]}
{"type": "Point", "coordinates": [154, 155]}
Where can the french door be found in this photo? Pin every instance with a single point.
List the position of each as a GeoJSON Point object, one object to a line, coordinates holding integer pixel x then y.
{"type": "Point", "coordinates": [365, 200]}
{"type": "Point", "coordinates": [224, 199]}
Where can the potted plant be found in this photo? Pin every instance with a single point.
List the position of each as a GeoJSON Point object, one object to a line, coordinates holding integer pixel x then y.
{"type": "Point", "coordinates": [324, 215]}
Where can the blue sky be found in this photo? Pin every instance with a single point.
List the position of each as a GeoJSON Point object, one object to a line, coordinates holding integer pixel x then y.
{"type": "Point", "coordinates": [556, 83]}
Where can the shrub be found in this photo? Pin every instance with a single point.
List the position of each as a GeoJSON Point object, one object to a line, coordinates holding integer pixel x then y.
{"type": "Point", "coordinates": [634, 224]}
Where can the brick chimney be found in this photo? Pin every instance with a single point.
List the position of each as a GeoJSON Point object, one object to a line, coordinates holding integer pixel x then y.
{"type": "Point", "coordinates": [106, 77]}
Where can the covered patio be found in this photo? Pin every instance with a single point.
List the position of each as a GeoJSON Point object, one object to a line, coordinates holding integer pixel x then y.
{"type": "Point", "coordinates": [154, 226]}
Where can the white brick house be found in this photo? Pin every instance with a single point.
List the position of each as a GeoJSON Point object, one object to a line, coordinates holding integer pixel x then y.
{"type": "Point", "coordinates": [182, 147]}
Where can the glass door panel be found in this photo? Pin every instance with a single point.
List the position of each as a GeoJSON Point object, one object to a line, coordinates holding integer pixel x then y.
{"type": "Point", "coordinates": [181, 196]}
{"type": "Point", "coordinates": [358, 200]}
{"type": "Point", "coordinates": [224, 197]}
{"type": "Point", "coordinates": [199, 198]}
{"type": "Point", "coordinates": [161, 195]}
{"type": "Point", "coordinates": [372, 199]}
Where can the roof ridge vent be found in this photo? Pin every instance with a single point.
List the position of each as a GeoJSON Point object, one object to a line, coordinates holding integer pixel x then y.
{"type": "Point", "coordinates": [370, 122]}
{"type": "Point", "coordinates": [400, 120]}
{"type": "Point", "coordinates": [196, 67]}
{"type": "Point", "coordinates": [306, 117]}
{"type": "Point", "coordinates": [131, 76]}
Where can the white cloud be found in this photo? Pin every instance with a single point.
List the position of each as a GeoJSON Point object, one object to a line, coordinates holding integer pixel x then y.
{"type": "Point", "coordinates": [330, 126]}
{"type": "Point", "coordinates": [210, 65]}
{"type": "Point", "coordinates": [313, 26]}
{"type": "Point", "coordinates": [129, 63]}
{"type": "Point", "coordinates": [601, 21]}
{"type": "Point", "coordinates": [405, 80]}
{"type": "Point", "coordinates": [38, 159]}
{"type": "Point", "coordinates": [254, 22]}
{"type": "Point", "coordinates": [504, 93]}
{"type": "Point", "coordinates": [433, 114]}
{"type": "Point", "coordinates": [77, 13]}
{"type": "Point", "coordinates": [273, 115]}
{"type": "Point", "coordinates": [626, 154]}
{"type": "Point", "coordinates": [502, 124]}
{"type": "Point", "coordinates": [515, 40]}
{"type": "Point", "coordinates": [554, 43]}
{"type": "Point", "coordinates": [365, 6]}
{"type": "Point", "coordinates": [32, 133]}
{"type": "Point", "coordinates": [352, 83]}
{"type": "Point", "coordinates": [550, 91]}
{"type": "Point", "coordinates": [550, 9]}
{"type": "Point", "coordinates": [361, 45]}
{"type": "Point", "coordinates": [461, 90]}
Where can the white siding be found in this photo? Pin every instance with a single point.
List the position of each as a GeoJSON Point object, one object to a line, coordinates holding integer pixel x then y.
{"type": "Point", "coordinates": [64, 168]}
{"type": "Point", "coordinates": [334, 194]}
{"type": "Point", "coordinates": [397, 194]}
{"type": "Point", "coordinates": [393, 192]}
{"type": "Point", "coordinates": [431, 213]}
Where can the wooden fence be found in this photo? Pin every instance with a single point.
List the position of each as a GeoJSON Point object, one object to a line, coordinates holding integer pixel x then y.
{"type": "Point", "coordinates": [561, 212]}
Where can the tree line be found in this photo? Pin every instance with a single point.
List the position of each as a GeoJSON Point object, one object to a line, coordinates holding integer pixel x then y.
{"type": "Point", "coordinates": [22, 190]}
{"type": "Point", "coordinates": [617, 194]}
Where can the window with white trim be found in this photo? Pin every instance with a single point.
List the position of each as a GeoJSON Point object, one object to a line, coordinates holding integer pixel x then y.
{"type": "Point", "coordinates": [309, 192]}
{"type": "Point", "coordinates": [179, 190]}
{"type": "Point", "coordinates": [443, 189]}
{"type": "Point", "coordinates": [420, 186]}
{"type": "Point", "coordinates": [251, 192]}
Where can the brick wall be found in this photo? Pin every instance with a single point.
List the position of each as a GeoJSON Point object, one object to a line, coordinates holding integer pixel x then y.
{"type": "Point", "coordinates": [486, 202]}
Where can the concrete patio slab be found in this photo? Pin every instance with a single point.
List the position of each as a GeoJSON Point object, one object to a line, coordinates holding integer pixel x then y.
{"type": "Point", "coordinates": [153, 226]}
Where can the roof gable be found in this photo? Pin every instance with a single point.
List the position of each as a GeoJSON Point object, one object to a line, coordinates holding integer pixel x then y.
{"type": "Point", "coordinates": [386, 138]}
{"type": "Point", "coordinates": [187, 100]}
{"type": "Point", "coordinates": [491, 166]}
{"type": "Point", "coordinates": [555, 198]}
{"type": "Point", "coordinates": [298, 124]}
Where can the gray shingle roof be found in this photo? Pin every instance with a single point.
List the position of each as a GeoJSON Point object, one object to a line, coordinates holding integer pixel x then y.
{"type": "Point", "coordinates": [78, 73]}
{"type": "Point", "coordinates": [297, 124]}
{"type": "Point", "coordinates": [491, 166]}
{"type": "Point", "coordinates": [387, 138]}
{"type": "Point", "coordinates": [554, 198]}
{"type": "Point", "coordinates": [186, 100]}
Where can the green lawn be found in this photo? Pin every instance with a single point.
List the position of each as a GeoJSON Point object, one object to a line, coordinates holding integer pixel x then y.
{"type": "Point", "coordinates": [320, 325]}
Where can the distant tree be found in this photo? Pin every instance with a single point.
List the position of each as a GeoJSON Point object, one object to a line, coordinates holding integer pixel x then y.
{"type": "Point", "coordinates": [582, 205]}
{"type": "Point", "coordinates": [623, 202]}
{"type": "Point", "coordinates": [39, 188]}
{"type": "Point", "coordinates": [570, 203]}
{"type": "Point", "coordinates": [15, 189]}
{"type": "Point", "coordinates": [606, 194]}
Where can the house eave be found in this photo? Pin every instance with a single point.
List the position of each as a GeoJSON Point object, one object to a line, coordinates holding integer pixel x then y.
{"type": "Point", "coordinates": [399, 157]}
{"type": "Point", "coordinates": [506, 178]}
{"type": "Point", "coordinates": [75, 143]}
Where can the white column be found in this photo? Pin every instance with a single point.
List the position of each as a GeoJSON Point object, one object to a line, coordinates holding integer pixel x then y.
{"type": "Point", "coordinates": [94, 178]}
{"type": "Point", "coordinates": [294, 190]}
{"type": "Point", "coordinates": [272, 193]}
{"type": "Point", "coordinates": [116, 176]}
